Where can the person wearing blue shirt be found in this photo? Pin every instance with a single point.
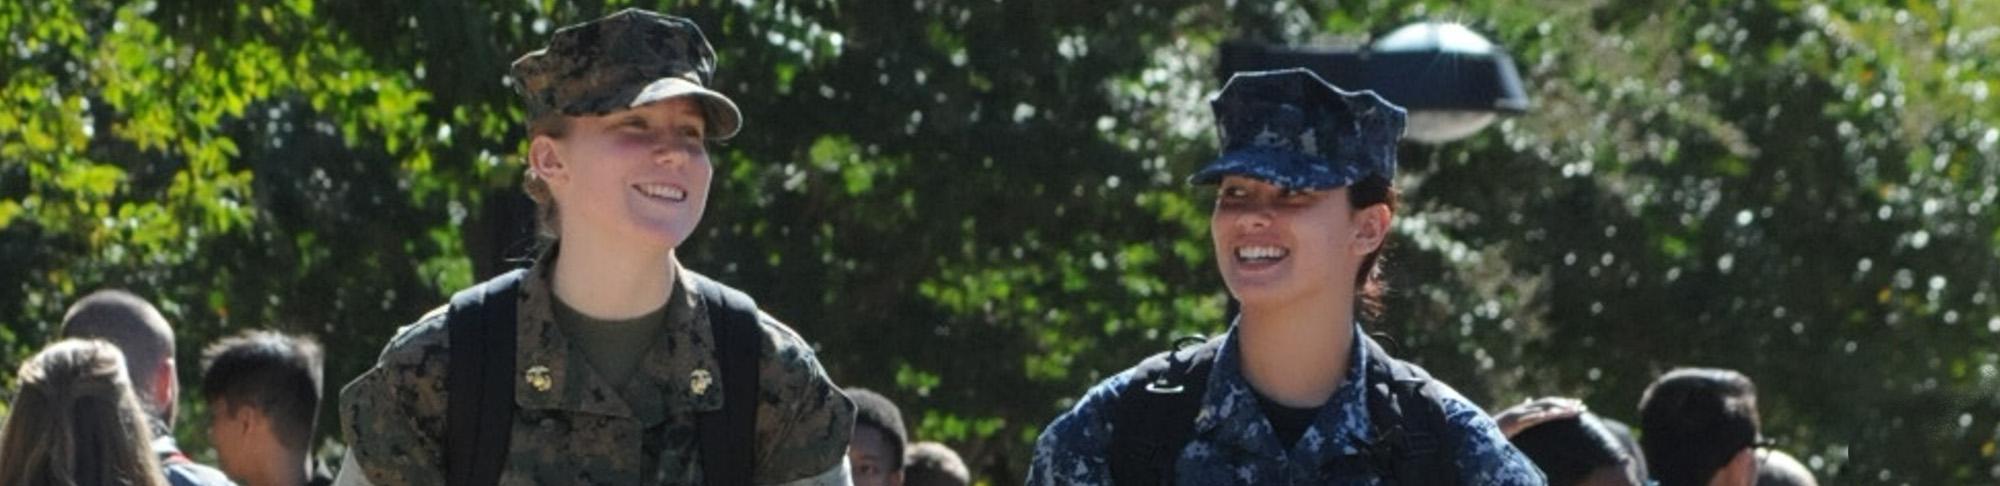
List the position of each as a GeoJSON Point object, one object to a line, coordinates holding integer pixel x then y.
{"type": "Point", "coordinates": [1295, 392]}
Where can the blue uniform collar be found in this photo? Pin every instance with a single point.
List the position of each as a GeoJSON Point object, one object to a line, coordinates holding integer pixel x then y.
{"type": "Point", "coordinates": [1230, 413]}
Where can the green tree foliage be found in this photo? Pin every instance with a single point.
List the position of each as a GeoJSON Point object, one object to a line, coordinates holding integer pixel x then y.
{"type": "Point", "coordinates": [978, 208]}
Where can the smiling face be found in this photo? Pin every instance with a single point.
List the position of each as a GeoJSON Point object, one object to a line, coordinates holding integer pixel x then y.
{"type": "Point", "coordinates": [640, 174]}
{"type": "Point", "coordinates": [1277, 246]}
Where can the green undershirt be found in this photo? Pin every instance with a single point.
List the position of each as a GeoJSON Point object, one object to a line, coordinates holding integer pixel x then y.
{"type": "Point", "coordinates": [613, 347]}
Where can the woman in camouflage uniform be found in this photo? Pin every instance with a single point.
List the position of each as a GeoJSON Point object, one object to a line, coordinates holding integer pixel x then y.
{"type": "Point", "coordinates": [617, 354]}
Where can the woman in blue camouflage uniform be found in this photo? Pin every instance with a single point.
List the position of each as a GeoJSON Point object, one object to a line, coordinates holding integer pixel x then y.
{"type": "Point", "coordinates": [1295, 393]}
{"type": "Point", "coordinates": [621, 358]}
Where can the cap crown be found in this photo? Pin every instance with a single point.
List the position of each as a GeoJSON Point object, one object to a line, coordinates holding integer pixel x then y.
{"type": "Point", "coordinates": [599, 66]}
{"type": "Point", "coordinates": [1294, 129]}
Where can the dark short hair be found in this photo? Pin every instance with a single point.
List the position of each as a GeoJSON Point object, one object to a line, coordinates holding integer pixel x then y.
{"type": "Point", "coordinates": [1625, 438]}
{"type": "Point", "coordinates": [934, 464]}
{"type": "Point", "coordinates": [874, 410]}
{"type": "Point", "coordinates": [1693, 421]}
{"type": "Point", "coordinates": [277, 374]}
{"type": "Point", "coordinates": [135, 327]}
{"type": "Point", "coordinates": [1569, 450]}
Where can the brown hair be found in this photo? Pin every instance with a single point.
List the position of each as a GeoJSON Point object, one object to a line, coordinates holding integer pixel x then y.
{"type": "Point", "coordinates": [556, 126]}
{"type": "Point", "coordinates": [1370, 287]}
{"type": "Point", "coordinates": [76, 421]}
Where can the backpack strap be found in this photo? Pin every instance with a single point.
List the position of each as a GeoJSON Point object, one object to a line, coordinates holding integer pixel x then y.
{"type": "Point", "coordinates": [1153, 417]}
{"type": "Point", "coordinates": [1408, 416]}
{"type": "Point", "coordinates": [728, 436]}
{"type": "Point", "coordinates": [479, 380]}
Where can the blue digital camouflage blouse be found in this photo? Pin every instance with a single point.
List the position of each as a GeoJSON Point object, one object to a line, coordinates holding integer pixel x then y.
{"type": "Point", "coordinates": [1234, 444]}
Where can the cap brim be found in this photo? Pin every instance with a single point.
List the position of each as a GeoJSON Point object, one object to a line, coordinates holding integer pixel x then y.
{"type": "Point", "coordinates": [721, 113]}
{"type": "Point", "coordinates": [1282, 168]}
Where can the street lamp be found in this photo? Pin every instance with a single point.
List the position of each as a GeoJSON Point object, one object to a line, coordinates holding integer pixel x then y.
{"type": "Point", "coordinates": [1453, 81]}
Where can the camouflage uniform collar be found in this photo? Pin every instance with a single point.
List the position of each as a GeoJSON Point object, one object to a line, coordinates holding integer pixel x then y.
{"type": "Point", "coordinates": [686, 345]}
{"type": "Point", "coordinates": [1231, 415]}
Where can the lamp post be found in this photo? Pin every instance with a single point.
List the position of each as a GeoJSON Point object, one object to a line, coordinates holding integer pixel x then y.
{"type": "Point", "coordinates": [1453, 81]}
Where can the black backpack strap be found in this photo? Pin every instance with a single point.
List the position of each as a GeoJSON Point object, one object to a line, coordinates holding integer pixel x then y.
{"type": "Point", "coordinates": [479, 380]}
{"type": "Point", "coordinates": [1153, 418]}
{"type": "Point", "coordinates": [728, 436]}
{"type": "Point", "coordinates": [1411, 445]}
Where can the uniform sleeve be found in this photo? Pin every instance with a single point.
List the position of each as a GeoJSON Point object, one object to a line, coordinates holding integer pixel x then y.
{"type": "Point", "coordinates": [803, 420]}
{"type": "Point", "coordinates": [1485, 457]}
{"type": "Point", "coordinates": [1073, 449]}
{"type": "Point", "coordinates": [393, 414]}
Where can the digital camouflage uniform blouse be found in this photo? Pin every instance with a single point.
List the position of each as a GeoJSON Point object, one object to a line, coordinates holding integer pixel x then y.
{"type": "Point", "coordinates": [1234, 444]}
{"type": "Point", "coordinates": [575, 428]}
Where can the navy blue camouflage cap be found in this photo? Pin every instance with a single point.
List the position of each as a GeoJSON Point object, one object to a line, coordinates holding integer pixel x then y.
{"type": "Point", "coordinates": [621, 61]}
{"type": "Point", "coordinates": [1297, 131]}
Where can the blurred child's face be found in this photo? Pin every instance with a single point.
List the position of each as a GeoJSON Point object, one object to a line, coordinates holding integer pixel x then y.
{"type": "Point", "coordinates": [869, 456]}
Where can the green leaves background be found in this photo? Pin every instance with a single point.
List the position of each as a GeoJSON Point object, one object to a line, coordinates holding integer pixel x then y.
{"type": "Point", "coordinates": [977, 207]}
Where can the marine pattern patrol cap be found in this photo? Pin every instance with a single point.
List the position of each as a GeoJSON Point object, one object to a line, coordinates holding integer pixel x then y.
{"type": "Point", "coordinates": [622, 61]}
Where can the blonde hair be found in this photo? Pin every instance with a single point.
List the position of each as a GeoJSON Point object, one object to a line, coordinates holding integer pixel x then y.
{"type": "Point", "coordinates": [77, 422]}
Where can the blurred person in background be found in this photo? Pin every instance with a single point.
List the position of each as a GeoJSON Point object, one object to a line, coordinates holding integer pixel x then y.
{"type": "Point", "coordinates": [138, 330]}
{"type": "Point", "coordinates": [934, 464]}
{"type": "Point", "coordinates": [1699, 426]}
{"type": "Point", "coordinates": [77, 422]}
{"type": "Point", "coordinates": [876, 452]}
{"type": "Point", "coordinates": [263, 391]}
{"type": "Point", "coordinates": [1572, 446]}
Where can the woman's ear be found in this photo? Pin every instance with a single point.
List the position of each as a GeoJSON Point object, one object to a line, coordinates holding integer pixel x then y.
{"type": "Point", "coordinates": [546, 161]}
{"type": "Point", "coordinates": [1371, 228]}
